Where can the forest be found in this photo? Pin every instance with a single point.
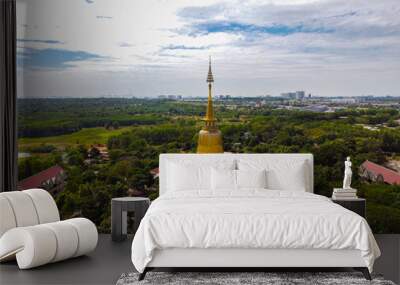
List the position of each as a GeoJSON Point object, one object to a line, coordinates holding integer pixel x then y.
{"type": "Point", "coordinates": [136, 131]}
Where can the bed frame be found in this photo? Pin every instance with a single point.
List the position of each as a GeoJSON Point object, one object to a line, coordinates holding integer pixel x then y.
{"type": "Point", "coordinates": [246, 258]}
{"type": "Point", "coordinates": [243, 259]}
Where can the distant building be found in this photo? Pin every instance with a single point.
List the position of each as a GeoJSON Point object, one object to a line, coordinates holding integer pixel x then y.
{"type": "Point", "coordinates": [52, 179]}
{"type": "Point", "coordinates": [344, 100]}
{"type": "Point", "coordinates": [135, 193]}
{"type": "Point", "coordinates": [376, 173]}
{"type": "Point", "coordinates": [155, 172]}
{"type": "Point", "coordinates": [223, 97]}
{"type": "Point", "coordinates": [103, 151]}
{"type": "Point", "coordinates": [288, 95]}
{"type": "Point", "coordinates": [259, 104]}
{"type": "Point", "coordinates": [298, 95]}
{"type": "Point", "coordinates": [317, 108]}
{"type": "Point", "coordinates": [170, 97]}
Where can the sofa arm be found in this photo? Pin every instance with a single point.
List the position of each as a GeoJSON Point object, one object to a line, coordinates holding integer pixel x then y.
{"type": "Point", "coordinates": [87, 234]}
{"type": "Point", "coordinates": [37, 245]}
{"type": "Point", "coordinates": [32, 246]}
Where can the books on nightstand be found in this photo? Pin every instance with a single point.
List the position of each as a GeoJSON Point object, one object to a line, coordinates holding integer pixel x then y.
{"type": "Point", "coordinates": [343, 194]}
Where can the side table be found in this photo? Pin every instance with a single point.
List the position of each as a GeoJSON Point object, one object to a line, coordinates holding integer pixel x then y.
{"type": "Point", "coordinates": [119, 209]}
{"type": "Point", "coordinates": [357, 205]}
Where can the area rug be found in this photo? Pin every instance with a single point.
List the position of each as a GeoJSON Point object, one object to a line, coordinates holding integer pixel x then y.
{"type": "Point", "coordinates": [244, 278]}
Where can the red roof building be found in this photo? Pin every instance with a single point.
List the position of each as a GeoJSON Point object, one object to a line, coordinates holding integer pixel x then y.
{"type": "Point", "coordinates": [48, 179]}
{"type": "Point", "coordinates": [155, 172]}
{"type": "Point", "coordinates": [377, 173]}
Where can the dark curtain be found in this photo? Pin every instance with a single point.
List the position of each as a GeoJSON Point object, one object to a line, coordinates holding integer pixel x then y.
{"type": "Point", "coordinates": [8, 97]}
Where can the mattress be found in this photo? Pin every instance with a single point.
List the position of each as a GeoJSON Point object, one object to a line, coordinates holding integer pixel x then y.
{"type": "Point", "coordinates": [250, 219]}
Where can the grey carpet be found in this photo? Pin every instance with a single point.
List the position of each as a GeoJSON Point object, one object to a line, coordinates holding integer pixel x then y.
{"type": "Point", "coordinates": [243, 278]}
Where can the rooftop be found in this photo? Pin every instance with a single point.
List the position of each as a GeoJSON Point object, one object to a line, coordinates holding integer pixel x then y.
{"type": "Point", "coordinates": [389, 176]}
{"type": "Point", "coordinates": [37, 180]}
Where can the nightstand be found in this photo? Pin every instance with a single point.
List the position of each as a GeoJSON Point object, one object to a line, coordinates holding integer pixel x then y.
{"type": "Point", "coordinates": [357, 205]}
{"type": "Point", "coordinates": [119, 209]}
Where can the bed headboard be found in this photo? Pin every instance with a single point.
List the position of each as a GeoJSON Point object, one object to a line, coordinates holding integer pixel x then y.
{"type": "Point", "coordinates": [306, 157]}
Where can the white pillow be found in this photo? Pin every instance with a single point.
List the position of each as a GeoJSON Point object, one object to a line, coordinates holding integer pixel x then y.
{"type": "Point", "coordinates": [223, 179]}
{"type": "Point", "coordinates": [193, 175]}
{"type": "Point", "coordinates": [228, 179]}
{"type": "Point", "coordinates": [285, 174]}
{"type": "Point", "coordinates": [182, 177]}
{"type": "Point", "coordinates": [251, 178]}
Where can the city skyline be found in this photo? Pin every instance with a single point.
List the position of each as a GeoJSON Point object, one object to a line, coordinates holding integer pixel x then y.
{"type": "Point", "coordinates": [94, 48]}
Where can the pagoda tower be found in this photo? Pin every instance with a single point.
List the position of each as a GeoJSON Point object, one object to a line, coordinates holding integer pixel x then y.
{"type": "Point", "coordinates": [210, 138]}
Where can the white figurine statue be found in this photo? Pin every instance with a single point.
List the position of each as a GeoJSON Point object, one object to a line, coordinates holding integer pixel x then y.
{"type": "Point", "coordinates": [347, 174]}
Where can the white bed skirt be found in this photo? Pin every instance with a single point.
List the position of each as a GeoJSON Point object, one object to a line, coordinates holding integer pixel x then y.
{"type": "Point", "coordinates": [191, 257]}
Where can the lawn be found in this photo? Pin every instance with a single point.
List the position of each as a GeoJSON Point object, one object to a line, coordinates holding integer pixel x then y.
{"type": "Point", "coordinates": [86, 137]}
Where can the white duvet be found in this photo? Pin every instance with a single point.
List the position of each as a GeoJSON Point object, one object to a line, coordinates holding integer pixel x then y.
{"type": "Point", "coordinates": [250, 219]}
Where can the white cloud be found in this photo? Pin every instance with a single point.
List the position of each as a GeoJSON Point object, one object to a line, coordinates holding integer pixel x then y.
{"type": "Point", "coordinates": [312, 45]}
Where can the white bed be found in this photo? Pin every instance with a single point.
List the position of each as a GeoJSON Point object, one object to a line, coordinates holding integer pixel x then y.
{"type": "Point", "coordinates": [248, 227]}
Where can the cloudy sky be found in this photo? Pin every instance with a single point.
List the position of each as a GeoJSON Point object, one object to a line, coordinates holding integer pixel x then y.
{"type": "Point", "coordinates": [91, 48]}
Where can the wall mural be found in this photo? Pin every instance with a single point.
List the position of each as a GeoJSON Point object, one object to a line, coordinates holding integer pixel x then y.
{"type": "Point", "coordinates": [104, 87]}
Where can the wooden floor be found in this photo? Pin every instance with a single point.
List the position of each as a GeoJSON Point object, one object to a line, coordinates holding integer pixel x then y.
{"type": "Point", "coordinates": [110, 260]}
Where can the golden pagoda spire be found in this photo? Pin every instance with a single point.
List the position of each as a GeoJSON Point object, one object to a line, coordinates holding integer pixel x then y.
{"type": "Point", "coordinates": [210, 138]}
{"type": "Point", "coordinates": [209, 119]}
